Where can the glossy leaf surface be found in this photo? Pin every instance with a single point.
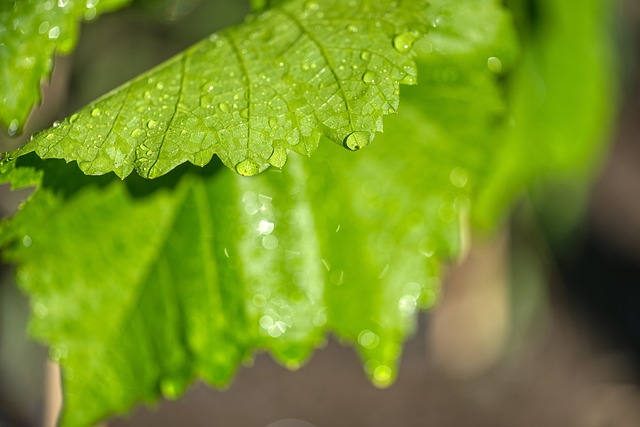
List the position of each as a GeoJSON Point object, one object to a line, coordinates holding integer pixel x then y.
{"type": "Point", "coordinates": [252, 93]}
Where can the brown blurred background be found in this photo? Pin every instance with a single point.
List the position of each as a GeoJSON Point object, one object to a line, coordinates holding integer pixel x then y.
{"type": "Point", "coordinates": [531, 330]}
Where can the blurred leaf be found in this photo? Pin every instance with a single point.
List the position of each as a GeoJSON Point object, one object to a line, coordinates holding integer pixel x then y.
{"type": "Point", "coordinates": [31, 31]}
{"type": "Point", "coordinates": [561, 97]}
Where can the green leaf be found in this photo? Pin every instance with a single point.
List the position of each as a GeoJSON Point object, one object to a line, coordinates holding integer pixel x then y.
{"type": "Point", "coordinates": [204, 266]}
{"type": "Point", "coordinates": [185, 279]}
{"type": "Point", "coordinates": [252, 93]}
{"type": "Point", "coordinates": [31, 31]}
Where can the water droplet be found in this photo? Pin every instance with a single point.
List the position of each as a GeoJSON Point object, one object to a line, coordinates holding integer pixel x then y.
{"type": "Point", "coordinates": [159, 86]}
{"type": "Point", "coordinates": [56, 124]}
{"type": "Point", "coordinates": [382, 376]}
{"type": "Point", "coordinates": [428, 299]}
{"type": "Point", "coordinates": [248, 167]}
{"type": "Point", "coordinates": [266, 322]}
{"type": "Point", "coordinates": [305, 67]}
{"type": "Point", "coordinates": [320, 318]}
{"type": "Point", "coordinates": [73, 118]}
{"type": "Point", "coordinates": [458, 177]}
{"type": "Point", "coordinates": [58, 352]}
{"type": "Point", "coordinates": [40, 310]}
{"type": "Point", "coordinates": [27, 241]}
{"type": "Point", "coordinates": [90, 14]}
{"type": "Point", "coordinates": [205, 103]}
{"type": "Point", "coordinates": [137, 132]}
{"type": "Point", "coordinates": [13, 127]}
{"type": "Point", "coordinates": [368, 339]}
{"type": "Point", "coordinates": [278, 157]}
{"type": "Point", "coordinates": [54, 33]}
{"type": "Point", "coordinates": [447, 212]}
{"type": "Point", "coordinates": [365, 56]}
{"type": "Point", "coordinates": [337, 277]}
{"type": "Point", "coordinates": [404, 42]}
{"type": "Point", "coordinates": [265, 227]}
{"type": "Point", "coordinates": [494, 64]}
{"type": "Point", "coordinates": [357, 140]}
{"type": "Point", "coordinates": [270, 242]}
{"type": "Point", "coordinates": [170, 388]}
{"type": "Point", "coordinates": [44, 27]}
{"type": "Point", "coordinates": [352, 28]}
{"type": "Point", "coordinates": [96, 112]}
{"type": "Point", "coordinates": [273, 123]}
{"type": "Point", "coordinates": [408, 80]}
{"type": "Point", "coordinates": [369, 77]}
{"type": "Point", "coordinates": [259, 300]}
{"type": "Point", "coordinates": [244, 113]}
{"type": "Point", "coordinates": [311, 5]}
{"type": "Point", "coordinates": [152, 124]}
{"type": "Point", "coordinates": [407, 305]}
{"type": "Point", "coordinates": [427, 247]}
{"type": "Point", "coordinates": [224, 107]}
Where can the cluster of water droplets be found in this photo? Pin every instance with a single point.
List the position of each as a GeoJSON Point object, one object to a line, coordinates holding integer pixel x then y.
{"type": "Point", "coordinates": [261, 210]}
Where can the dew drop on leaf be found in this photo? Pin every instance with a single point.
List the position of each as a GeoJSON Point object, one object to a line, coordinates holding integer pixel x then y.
{"type": "Point", "coordinates": [152, 124]}
{"type": "Point", "coordinates": [170, 388]}
{"type": "Point", "coordinates": [311, 5]}
{"type": "Point", "coordinates": [270, 242]}
{"type": "Point", "coordinates": [96, 112]}
{"type": "Point", "coordinates": [357, 140]}
{"type": "Point", "coordinates": [382, 376]}
{"type": "Point", "coordinates": [368, 339]}
{"type": "Point", "coordinates": [365, 56]}
{"type": "Point", "coordinates": [248, 167]}
{"type": "Point", "coordinates": [494, 64]}
{"type": "Point", "coordinates": [369, 77]}
{"type": "Point", "coordinates": [13, 127]}
{"type": "Point", "coordinates": [279, 157]}
{"type": "Point", "coordinates": [408, 80]}
{"type": "Point", "coordinates": [404, 42]}
{"type": "Point", "coordinates": [458, 177]}
{"type": "Point", "coordinates": [224, 107]}
{"type": "Point", "coordinates": [54, 33]}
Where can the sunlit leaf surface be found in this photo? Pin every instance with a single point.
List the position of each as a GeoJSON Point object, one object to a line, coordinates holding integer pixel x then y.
{"type": "Point", "coordinates": [252, 93]}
